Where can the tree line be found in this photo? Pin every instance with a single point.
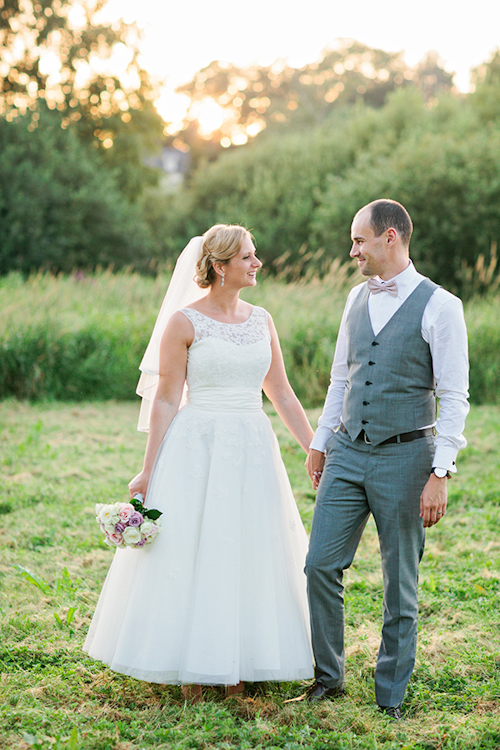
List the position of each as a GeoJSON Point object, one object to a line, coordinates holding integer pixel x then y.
{"type": "Point", "coordinates": [298, 190]}
{"type": "Point", "coordinates": [319, 142]}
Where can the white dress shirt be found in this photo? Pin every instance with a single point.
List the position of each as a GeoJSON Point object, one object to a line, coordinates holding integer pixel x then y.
{"type": "Point", "coordinates": [443, 328]}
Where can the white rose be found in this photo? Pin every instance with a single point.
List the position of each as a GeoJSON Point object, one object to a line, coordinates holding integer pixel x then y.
{"type": "Point", "coordinates": [131, 535]}
{"type": "Point", "coordinates": [102, 510]}
{"type": "Point", "coordinates": [147, 528]}
{"type": "Point", "coordinates": [107, 514]}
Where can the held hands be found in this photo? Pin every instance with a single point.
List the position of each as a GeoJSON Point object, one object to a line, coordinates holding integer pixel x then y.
{"type": "Point", "coordinates": [433, 500]}
{"type": "Point", "coordinates": [315, 462]}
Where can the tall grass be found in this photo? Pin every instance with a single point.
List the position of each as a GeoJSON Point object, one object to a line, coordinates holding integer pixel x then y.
{"type": "Point", "coordinates": [75, 337]}
{"type": "Point", "coordinates": [483, 325]}
{"type": "Point", "coordinates": [79, 337]}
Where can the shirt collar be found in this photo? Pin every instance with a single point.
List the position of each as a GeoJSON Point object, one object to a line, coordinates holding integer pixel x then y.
{"type": "Point", "coordinates": [405, 280]}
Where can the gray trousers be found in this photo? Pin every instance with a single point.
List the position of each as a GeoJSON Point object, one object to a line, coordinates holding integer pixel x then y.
{"type": "Point", "coordinates": [387, 481]}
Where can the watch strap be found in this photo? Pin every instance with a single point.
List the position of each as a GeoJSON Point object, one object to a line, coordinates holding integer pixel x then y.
{"type": "Point", "coordinates": [440, 475]}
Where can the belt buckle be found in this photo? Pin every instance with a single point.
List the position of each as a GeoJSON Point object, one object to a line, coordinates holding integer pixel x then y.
{"type": "Point", "coordinates": [365, 438]}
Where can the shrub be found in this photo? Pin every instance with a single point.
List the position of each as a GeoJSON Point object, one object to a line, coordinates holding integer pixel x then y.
{"type": "Point", "coordinates": [73, 338]}
{"type": "Point", "coordinates": [302, 189]}
{"type": "Point", "coordinates": [60, 206]}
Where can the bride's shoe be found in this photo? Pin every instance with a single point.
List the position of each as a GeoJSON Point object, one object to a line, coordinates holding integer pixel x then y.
{"type": "Point", "coordinates": [192, 693]}
{"type": "Point", "coordinates": [231, 690]}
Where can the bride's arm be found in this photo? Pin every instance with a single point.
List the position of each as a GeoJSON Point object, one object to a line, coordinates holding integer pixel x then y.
{"type": "Point", "coordinates": [175, 343]}
{"type": "Point", "coordinates": [280, 393]}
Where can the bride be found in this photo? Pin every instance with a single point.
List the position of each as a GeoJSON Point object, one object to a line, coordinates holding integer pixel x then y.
{"type": "Point", "coordinates": [219, 598]}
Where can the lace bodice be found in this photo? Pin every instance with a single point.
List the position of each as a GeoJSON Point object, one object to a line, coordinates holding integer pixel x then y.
{"type": "Point", "coordinates": [227, 363]}
{"type": "Point", "coordinates": [250, 331]}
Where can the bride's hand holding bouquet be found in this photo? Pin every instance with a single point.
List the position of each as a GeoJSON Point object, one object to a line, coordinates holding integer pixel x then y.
{"type": "Point", "coordinates": [139, 485]}
{"type": "Point", "coordinates": [128, 524]}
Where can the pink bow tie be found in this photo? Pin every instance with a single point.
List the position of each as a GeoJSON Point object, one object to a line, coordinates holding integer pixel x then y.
{"type": "Point", "coordinates": [375, 286]}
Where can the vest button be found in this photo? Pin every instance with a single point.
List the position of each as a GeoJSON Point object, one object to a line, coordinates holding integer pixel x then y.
{"type": "Point", "coordinates": [374, 343]}
{"type": "Point", "coordinates": [367, 382]}
{"type": "Point", "coordinates": [364, 421]}
{"type": "Point", "coordinates": [371, 363]}
{"type": "Point", "coordinates": [366, 403]}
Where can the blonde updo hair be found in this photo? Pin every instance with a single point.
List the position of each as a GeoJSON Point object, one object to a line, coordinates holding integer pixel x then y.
{"type": "Point", "coordinates": [220, 243]}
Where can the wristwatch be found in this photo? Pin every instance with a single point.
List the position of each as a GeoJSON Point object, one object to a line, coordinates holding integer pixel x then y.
{"type": "Point", "coordinates": [440, 473]}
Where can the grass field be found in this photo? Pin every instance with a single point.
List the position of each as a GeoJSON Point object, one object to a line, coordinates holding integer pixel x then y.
{"type": "Point", "coordinates": [82, 337]}
{"type": "Point", "coordinates": [57, 460]}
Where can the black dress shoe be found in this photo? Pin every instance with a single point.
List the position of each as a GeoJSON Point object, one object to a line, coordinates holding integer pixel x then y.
{"type": "Point", "coordinates": [319, 692]}
{"type": "Point", "coordinates": [393, 712]}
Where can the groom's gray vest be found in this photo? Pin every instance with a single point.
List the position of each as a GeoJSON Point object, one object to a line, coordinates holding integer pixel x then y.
{"type": "Point", "coordinates": [390, 384]}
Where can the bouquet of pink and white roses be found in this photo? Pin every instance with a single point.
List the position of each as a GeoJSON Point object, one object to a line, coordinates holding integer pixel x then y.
{"type": "Point", "coordinates": [128, 524]}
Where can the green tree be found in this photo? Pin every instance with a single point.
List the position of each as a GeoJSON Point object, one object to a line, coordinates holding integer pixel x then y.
{"type": "Point", "coordinates": [57, 53]}
{"type": "Point", "coordinates": [442, 166]}
{"type": "Point", "coordinates": [298, 192]}
{"type": "Point", "coordinates": [272, 186]}
{"type": "Point", "coordinates": [486, 96]}
{"type": "Point", "coordinates": [431, 77]}
{"type": "Point", "coordinates": [280, 97]}
{"type": "Point", "coordinates": [60, 207]}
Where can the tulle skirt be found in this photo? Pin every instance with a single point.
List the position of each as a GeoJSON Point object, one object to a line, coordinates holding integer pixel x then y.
{"type": "Point", "coordinates": [220, 595]}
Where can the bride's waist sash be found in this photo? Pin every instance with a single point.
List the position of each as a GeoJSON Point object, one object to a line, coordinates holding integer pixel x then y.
{"type": "Point", "coordinates": [224, 399]}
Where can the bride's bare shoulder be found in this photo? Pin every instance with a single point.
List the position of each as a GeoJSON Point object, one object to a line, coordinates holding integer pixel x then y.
{"type": "Point", "coordinates": [179, 327]}
{"type": "Point", "coordinates": [243, 310]}
{"type": "Point", "coordinates": [200, 305]}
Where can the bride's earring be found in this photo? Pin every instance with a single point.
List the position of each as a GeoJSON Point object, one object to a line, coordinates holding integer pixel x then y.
{"type": "Point", "coordinates": [222, 282]}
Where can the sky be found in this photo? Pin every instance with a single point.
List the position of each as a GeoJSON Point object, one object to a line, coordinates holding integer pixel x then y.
{"type": "Point", "coordinates": [182, 36]}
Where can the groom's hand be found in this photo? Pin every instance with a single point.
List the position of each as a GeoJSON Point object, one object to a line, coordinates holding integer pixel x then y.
{"type": "Point", "coordinates": [433, 500]}
{"type": "Point", "coordinates": [315, 462]}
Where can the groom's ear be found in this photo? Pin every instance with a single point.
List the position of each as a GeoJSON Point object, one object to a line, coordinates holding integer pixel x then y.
{"type": "Point", "coordinates": [391, 235]}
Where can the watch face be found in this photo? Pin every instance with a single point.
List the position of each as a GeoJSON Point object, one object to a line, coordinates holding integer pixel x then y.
{"type": "Point", "coordinates": [440, 473]}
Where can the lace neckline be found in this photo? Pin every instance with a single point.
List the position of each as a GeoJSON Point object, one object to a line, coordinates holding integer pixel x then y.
{"type": "Point", "coordinates": [252, 330]}
{"type": "Point", "coordinates": [221, 322]}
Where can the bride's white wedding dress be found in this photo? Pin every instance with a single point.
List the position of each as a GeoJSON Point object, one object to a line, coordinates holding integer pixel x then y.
{"type": "Point", "coordinates": [220, 596]}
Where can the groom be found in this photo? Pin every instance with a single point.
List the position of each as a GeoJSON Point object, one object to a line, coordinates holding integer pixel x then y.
{"type": "Point", "coordinates": [402, 342]}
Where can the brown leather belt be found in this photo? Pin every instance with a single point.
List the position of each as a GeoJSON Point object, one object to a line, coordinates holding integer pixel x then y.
{"type": "Point", "coordinates": [404, 437]}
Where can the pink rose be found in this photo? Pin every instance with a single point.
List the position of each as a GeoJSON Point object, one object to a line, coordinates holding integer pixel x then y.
{"type": "Point", "coordinates": [125, 511]}
{"type": "Point", "coordinates": [116, 539]}
{"type": "Point", "coordinates": [154, 531]}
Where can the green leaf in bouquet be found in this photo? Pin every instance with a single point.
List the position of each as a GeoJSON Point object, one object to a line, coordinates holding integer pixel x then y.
{"type": "Point", "coordinates": [152, 514]}
{"type": "Point", "coordinates": [138, 506]}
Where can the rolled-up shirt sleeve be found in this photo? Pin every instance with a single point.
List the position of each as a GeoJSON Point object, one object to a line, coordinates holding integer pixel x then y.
{"type": "Point", "coordinates": [443, 327]}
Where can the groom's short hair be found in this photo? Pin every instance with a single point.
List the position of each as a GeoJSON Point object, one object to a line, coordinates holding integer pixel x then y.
{"type": "Point", "coordinates": [386, 213]}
